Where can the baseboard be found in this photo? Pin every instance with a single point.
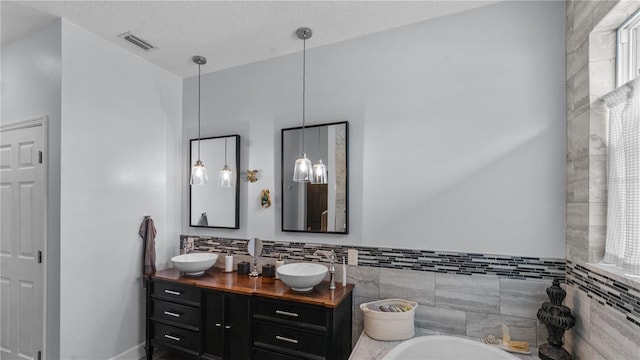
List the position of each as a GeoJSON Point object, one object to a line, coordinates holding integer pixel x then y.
{"type": "Point", "coordinates": [135, 353]}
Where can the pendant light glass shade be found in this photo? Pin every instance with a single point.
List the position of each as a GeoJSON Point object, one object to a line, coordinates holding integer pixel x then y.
{"type": "Point", "coordinates": [198, 174]}
{"type": "Point", "coordinates": [225, 177]}
{"type": "Point", "coordinates": [319, 173]}
{"type": "Point", "coordinates": [302, 169]}
{"type": "Point", "coordinates": [198, 171]}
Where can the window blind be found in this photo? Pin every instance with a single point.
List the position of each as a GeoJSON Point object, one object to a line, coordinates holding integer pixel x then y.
{"type": "Point", "coordinates": [623, 182]}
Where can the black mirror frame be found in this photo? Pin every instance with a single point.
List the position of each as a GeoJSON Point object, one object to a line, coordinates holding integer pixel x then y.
{"type": "Point", "coordinates": [237, 184]}
{"type": "Point", "coordinates": [346, 230]}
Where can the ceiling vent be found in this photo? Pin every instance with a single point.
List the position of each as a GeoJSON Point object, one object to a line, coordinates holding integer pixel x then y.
{"type": "Point", "coordinates": [144, 45]}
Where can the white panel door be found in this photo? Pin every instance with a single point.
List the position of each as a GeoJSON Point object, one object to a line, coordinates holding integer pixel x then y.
{"type": "Point", "coordinates": [22, 236]}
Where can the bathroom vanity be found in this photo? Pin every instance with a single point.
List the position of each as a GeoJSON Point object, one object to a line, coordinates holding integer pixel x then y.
{"type": "Point", "coordinates": [229, 316]}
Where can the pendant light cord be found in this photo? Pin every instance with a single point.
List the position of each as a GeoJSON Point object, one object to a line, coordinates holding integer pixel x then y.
{"type": "Point", "coordinates": [199, 138]}
{"type": "Point", "coordinates": [225, 152]}
{"type": "Point", "coordinates": [304, 78]}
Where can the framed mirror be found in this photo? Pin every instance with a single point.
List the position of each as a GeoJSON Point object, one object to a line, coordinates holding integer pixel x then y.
{"type": "Point", "coordinates": [318, 206]}
{"type": "Point", "coordinates": [213, 205]}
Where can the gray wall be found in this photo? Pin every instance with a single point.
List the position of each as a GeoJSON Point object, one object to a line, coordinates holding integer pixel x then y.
{"type": "Point", "coordinates": [111, 179]}
{"type": "Point", "coordinates": [31, 88]}
{"type": "Point", "coordinates": [467, 111]}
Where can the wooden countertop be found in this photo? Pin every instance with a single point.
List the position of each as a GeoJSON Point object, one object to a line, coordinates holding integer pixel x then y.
{"type": "Point", "coordinates": [215, 279]}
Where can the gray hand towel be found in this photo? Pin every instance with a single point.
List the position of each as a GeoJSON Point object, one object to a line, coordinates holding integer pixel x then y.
{"type": "Point", "coordinates": [148, 233]}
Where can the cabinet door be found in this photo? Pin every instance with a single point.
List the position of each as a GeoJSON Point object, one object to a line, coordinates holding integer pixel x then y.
{"type": "Point", "coordinates": [227, 326]}
{"type": "Point", "coordinates": [238, 321]}
{"type": "Point", "coordinates": [214, 324]}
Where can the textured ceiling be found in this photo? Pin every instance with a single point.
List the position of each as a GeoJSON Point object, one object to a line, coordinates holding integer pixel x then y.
{"type": "Point", "coordinates": [227, 33]}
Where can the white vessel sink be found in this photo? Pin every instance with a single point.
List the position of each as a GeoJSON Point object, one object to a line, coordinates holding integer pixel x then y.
{"type": "Point", "coordinates": [302, 276]}
{"type": "Point", "coordinates": [194, 263]}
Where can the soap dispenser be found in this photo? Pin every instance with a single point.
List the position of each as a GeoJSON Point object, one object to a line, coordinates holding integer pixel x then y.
{"type": "Point", "coordinates": [228, 262]}
{"type": "Point", "coordinates": [279, 263]}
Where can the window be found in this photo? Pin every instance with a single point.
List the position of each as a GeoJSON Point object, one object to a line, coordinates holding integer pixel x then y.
{"type": "Point", "coordinates": [628, 50]}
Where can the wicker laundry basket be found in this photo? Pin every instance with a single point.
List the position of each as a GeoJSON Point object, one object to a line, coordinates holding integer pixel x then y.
{"type": "Point", "coordinates": [389, 326]}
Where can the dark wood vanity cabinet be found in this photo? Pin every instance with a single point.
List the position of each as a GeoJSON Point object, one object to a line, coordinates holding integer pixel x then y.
{"type": "Point", "coordinates": [230, 316]}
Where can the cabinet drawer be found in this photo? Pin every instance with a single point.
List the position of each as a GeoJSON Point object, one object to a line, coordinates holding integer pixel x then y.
{"type": "Point", "coordinates": [176, 337]}
{"type": "Point", "coordinates": [176, 291]}
{"type": "Point", "coordinates": [176, 313]}
{"type": "Point", "coordinates": [291, 340]}
{"type": "Point", "coordinates": [266, 309]}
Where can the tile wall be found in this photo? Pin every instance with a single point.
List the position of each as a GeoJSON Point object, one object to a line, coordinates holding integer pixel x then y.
{"type": "Point", "coordinates": [606, 310]}
{"type": "Point", "coordinates": [624, 297]}
{"type": "Point", "coordinates": [457, 293]}
{"type": "Point", "coordinates": [590, 71]}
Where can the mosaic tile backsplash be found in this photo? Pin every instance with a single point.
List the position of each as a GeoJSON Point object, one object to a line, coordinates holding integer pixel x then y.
{"type": "Point", "coordinates": [607, 291]}
{"type": "Point", "coordinates": [459, 293]}
{"type": "Point", "coordinates": [515, 267]}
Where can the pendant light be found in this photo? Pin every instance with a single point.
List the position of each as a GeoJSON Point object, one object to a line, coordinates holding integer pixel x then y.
{"type": "Point", "coordinates": [319, 173]}
{"type": "Point", "coordinates": [302, 169]}
{"type": "Point", "coordinates": [319, 168]}
{"type": "Point", "coordinates": [198, 171]}
{"type": "Point", "coordinates": [224, 178]}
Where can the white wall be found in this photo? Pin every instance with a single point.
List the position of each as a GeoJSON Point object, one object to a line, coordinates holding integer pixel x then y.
{"type": "Point", "coordinates": [467, 111]}
{"type": "Point", "coordinates": [31, 88]}
{"type": "Point", "coordinates": [121, 143]}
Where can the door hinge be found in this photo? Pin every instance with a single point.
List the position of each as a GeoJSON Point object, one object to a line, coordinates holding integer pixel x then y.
{"type": "Point", "coordinates": [40, 157]}
{"type": "Point", "coordinates": [39, 355]}
{"type": "Point", "coordinates": [39, 257]}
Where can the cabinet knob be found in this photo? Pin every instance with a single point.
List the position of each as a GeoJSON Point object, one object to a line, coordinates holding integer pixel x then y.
{"type": "Point", "coordinates": [172, 292]}
{"type": "Point", "coordinates": [227, 326]}
{"type": "Point", "coordinates": [218, 325]}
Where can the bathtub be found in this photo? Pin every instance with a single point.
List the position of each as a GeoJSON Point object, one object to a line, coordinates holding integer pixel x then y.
{"type": "Point", "coordinates": [445, 347]}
